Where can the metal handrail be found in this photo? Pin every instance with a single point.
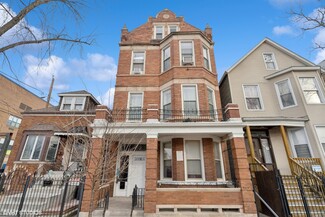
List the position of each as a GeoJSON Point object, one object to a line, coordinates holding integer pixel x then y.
{"type": "Point", "coordinates": [265, 203]}
{"type": "Point", "coordinates": [309, 178]}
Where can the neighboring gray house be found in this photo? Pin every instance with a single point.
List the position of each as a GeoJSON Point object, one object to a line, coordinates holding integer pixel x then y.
{"type": "Point", "coordinates": [281, 98]}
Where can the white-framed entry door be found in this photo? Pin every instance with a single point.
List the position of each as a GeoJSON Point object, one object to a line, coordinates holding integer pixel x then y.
{"type": "Point", "coordinates": [130, 171]}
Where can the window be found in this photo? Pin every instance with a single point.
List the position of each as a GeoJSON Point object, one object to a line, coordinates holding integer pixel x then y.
{"type": "Point", "coordinates": [187, 53]}
{"type": "Point", "coordinates": [285, 94]}
{"type": "Point", "coordinates": [206, 58]}
{"type": "Point", "coordinates": [135, 107]}
{"type": "Point", "coordinates": [190, 100]}
{"type": "Point", "coordinates": [269, 61]}
{"type": "Point", "coordinates": [321, 135]}
{"type": "Point", "coordinates": [218, 160]}
{"type": "Point", "coordinates": [73, 103]}
{"type": "Point", "coordinates": [159, 32]}
{"type": "Point", "coordinates": [193, 159]}
{"type": "Point", "coordinates": [166, 59]}
{"type": "Point", "coordinates": [167, 104]}
{"type": "Point", "coordinates": [52, 149]}
{"type": "Point", "coordinates": [78, 151]}
{"type": "Point", "coordinates": [173, 28]}
{"type": "Point", "coordinates": [311, 90]}
{"type": "Point", "coordinates": [33, 147]}
{"type": "Point", "coordinates": [13, 122]}
{"type": "Point", "coordinates": [138, 62]}
{"type": "Point", "coordinates": [252, 97]}
{"type": "Point", "coordinates": [167, 160]}
{"type": "Point", "coordinates": [211, 103]}
{"type": "Point", "coordinates": [299, 142]}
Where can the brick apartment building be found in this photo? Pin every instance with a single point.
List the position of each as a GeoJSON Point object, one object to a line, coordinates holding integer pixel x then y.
{"type": "Point", "coordinates": [10, 113]}
{"type": "Point", "coordinates": [186, 151]}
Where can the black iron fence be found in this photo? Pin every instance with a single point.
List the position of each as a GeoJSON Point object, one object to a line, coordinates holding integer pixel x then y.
{"type": "Point", "coordinates": [137, 198]}
{"type": "Point", "coordinates": [103, 198]}
{"type": "Point", "coordinates": [22, 194]}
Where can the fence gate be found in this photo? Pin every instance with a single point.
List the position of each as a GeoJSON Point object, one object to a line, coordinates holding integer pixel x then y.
{"type": "Point", "coordinates": [22, 194]}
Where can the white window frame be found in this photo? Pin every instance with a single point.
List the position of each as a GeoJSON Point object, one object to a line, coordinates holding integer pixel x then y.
{"type": "Point", "coordinates": [162, 100]}
{"type": "Point", "coordinates": [259, 96]}
{"type": "Point", "coordinates": [213, 101]}
{"type": "Point", "coordinates": [177, 28]}
{"type": "Point", "coordinates": [289, 130]}
{"type": "Point", "coordinates": [128, 106]}
{"type": "Point", "coordinates": [162, 177]}
{"type": "Point", "coordinates": [180, 53]}
{"type": "Point", "coordinates": [48, 148]}
{"type": "Point", "coordinates": [221, 160]}
{"type": "Point", "coordinates": [73, 103]}
{"type": "Point", "coordinates": [202, 161]}
{"type": "Point", "coordinates": [163, 59]}
{"type": "Point", "coordinates": [144, 62]}
{"type": "Point", "coordinates": [197, 98]}
{"type": "Point", "coordinates": [273, 58]}
{"type": "Point", "coordinates": [279, 97]}
{"type": "Point", "coordinates": [204, 47]}
{"type": "Point", "coordinates": [155, 32]}
{"type": "Point", "coordinates": [319, 91]}
{"type": "Point", "coordinates": [13, 122]}
{"type": "Point", "coordinates": [34, 145]}
{"type": "Point", "coordinates": [319, 137]}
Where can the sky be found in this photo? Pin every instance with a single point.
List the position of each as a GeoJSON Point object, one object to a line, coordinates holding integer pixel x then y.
{"type": "Point", "coordinates": [237, 25]}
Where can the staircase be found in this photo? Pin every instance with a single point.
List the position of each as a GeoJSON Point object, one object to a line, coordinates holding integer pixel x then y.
{"type": "Point", "coordinates": [315, 203]}
{"type": "Point", "coordinates": [121, 206]}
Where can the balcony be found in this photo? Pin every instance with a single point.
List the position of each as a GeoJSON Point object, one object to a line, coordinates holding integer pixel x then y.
{"type": "Point", "coordinates": [144, 115]}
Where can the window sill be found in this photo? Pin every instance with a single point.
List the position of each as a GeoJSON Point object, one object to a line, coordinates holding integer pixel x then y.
{"type": "Point", "coordinates": [195, 183]}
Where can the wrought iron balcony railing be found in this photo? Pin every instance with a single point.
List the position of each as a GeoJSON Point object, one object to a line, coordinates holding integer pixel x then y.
{"type": "Point", "coordinates": [163, 115]}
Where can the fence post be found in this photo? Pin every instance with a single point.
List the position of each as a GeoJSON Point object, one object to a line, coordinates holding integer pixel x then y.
{"type": "Point", "coordinates": [65, 191]}
{"type": "Point", "coordinates": [21, 203]}
{"type": "Point", "coordinates": [81, 187]}
{"type": "Point", "coordinates": [301, 188]}
{"type": "Point", "coordinates": [284, 200]}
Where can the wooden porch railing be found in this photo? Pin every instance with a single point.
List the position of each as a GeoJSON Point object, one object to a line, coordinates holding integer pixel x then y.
{"type": "Point", "coordinates": [302, 167]}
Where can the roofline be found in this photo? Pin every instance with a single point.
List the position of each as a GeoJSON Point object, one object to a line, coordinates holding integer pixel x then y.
{"type": "Point", "coordinates": [267, 40]}
{"type": "Point", "coordinates": [159, 42]}
{"type": "Point", "coordinates": [23, 87]}
{"type": "Point", "coordinates": [292, 68]}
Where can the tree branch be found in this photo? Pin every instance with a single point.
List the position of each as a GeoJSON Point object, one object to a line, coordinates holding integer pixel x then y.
{"type": "Point", "coordinates": [13, 45]}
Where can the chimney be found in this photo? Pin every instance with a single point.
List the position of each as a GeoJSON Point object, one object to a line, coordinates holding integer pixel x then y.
{"type": "Point", "coordinates": [208, 31]}
{"type": "Point", "coordinates": [124, 33]}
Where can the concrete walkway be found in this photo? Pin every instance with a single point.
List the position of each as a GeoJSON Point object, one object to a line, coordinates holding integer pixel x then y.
{"type": "Point", "coordinates": [119, 207]}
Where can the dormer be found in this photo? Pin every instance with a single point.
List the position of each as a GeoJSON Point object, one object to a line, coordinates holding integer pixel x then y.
{"type": "Point", "coordinates": [77, 101]}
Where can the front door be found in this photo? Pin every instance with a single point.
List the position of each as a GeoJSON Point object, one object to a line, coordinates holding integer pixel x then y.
{"type": "Point", "coordinates": [130, 171]}
{"type": "Point", "coordinates": [262, 146]}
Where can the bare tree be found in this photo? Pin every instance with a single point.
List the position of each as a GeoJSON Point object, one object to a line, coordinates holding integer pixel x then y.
{"type": "Point", "coordinates": [49, 27]}
{"type": "Point", "coordinates": [310, 21]}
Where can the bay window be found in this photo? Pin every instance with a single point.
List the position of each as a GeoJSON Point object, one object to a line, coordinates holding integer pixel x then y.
{"type": "Point", "coordinates": [166, 59]}
{"type": "Point", "coordinates": [311, 90]}
{"type": "Point", "coordinates": [187, 57]}
{"type": "Point", "coordinates": [193, 159]}
{"type": "Point", "coordinates": [167, 104]}
{"type": "Point", "coordinates": [135, 106]}
{"type": "Point", "coordinates": [138, 62]}
{"type": "Point", "coordinates": [167, 160]}
{"type": "Point", "coordinates": [285, 94]}
{"type": "Point", "coordinates": [190, 106]}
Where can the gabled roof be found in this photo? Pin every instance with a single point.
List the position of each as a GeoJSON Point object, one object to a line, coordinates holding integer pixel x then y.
{"type": "Point", "coordinates": [274, 44]}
